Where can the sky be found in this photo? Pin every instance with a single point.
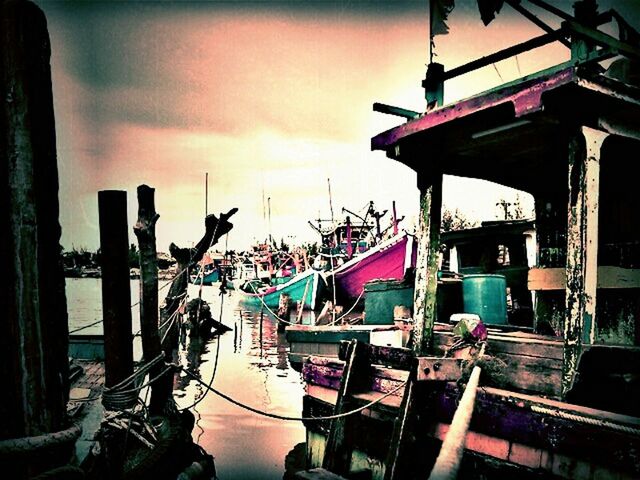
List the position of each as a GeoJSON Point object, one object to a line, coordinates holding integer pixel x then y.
{"type": "Point", "coordinates": [270, 98]}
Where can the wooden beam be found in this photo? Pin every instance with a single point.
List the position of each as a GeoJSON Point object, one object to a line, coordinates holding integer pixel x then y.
{"type": "Point", "coordinates": [391, 110]}
{"type": "Point", "coordinates": [582, 247]}
{"type": "Point", "coordinates": [424, 303]}
{"type": "Point", "coordinates": [608, 277]}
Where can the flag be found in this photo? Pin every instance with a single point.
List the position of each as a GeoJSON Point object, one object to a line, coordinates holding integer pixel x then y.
{"type": "Point", "coordinates": [440, 10]}
{"type": "Point", "coordinates": [488, 9]}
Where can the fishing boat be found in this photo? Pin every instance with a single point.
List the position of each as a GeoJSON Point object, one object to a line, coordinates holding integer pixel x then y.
{"type": "Point", "coordinates": [307, 287]}
{"type": "Point", "coordinates": [211, 269]}
{"type": "Point", "coordinates": [387, 260]}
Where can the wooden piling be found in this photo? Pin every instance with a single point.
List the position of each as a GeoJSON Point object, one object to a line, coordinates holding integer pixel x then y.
{"type": "Point", "coordinates": [424, 305]}
{"type": "Point", "coordinates": [116, 291]}
{"type": "Point", "coordinates": [145, 230]}
{"type": "Point", "coordinates": [33, 330]}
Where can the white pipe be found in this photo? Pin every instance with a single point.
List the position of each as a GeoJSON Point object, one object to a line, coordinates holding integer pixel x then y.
{"type": "Point", "coordinates": [450, 456]}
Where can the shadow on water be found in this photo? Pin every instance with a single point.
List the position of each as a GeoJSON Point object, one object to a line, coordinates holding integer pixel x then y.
{"type": "Point", "coordinates": [252, 368]}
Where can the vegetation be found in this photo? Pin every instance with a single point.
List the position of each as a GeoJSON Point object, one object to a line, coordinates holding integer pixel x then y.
{"type": "Point", "coordinates": [455, 220]}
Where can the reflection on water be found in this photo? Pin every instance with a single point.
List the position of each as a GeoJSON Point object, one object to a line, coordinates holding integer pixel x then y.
{"type": "Point", "coordinates": [252, 367]}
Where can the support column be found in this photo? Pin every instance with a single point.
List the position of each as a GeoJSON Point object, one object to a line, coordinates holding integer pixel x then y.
{"type": "Point", "coordinates": [424, 301]}
{"type": "Point", "coordinates": [582, 248]}
{"type": "Point", "coordinates": [116, 291]}
{"type": "Point", "coordinates": [33, 326]}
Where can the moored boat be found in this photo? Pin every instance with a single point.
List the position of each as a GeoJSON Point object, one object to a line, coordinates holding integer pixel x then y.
{"type": "Point", "coordinates": [307, 287]}
{"type": "Point", "coordinates": [387, 260]}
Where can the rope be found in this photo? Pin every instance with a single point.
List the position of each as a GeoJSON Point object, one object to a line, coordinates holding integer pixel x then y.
{"type": "Point", "coordinates": [132, 305]}
{"type": "Point", "coordinates": [348, 311]}
{"type": "Point", "coordinates": [215, 365]}
{"type": "Point", "coordinates": [284, 417]}
{"type": "Point", "coordinates": [586, 420]}
{"type": "Point", "coordinates": [140, 372]}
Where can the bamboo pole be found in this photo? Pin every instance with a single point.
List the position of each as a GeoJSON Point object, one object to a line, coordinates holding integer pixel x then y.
{"type": "Point", "coordinates": [448, 461]}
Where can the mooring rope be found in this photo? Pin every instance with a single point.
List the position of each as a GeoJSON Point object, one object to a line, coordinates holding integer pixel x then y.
{"type": "Point", "coordinates": [284, 417]}
{"type": "Point", "coordinates": [586, 420]}
{"type": "Point", "coordinates": [215, 365]}
{"type": "Point", "coordinates": [333, 322]}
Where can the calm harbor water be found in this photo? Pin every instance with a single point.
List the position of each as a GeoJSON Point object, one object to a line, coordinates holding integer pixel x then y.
{"type": "Point", "coordinates": [252, 368]}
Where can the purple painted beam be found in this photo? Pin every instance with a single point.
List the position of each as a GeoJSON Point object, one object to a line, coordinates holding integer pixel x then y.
{"type": "Point", "coordinates": [526, 97]}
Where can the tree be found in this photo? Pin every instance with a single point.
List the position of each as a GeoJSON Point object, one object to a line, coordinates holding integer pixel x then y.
{"type": "Point", "coordinates": [455, 220]}
{"type": "Point", "coordinates": [512, 210]}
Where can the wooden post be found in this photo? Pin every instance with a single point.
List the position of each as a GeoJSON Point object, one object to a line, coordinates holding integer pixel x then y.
{"type": "Point", "coordinates": [145, 230]}
{"type": "Point", "coordinates": [284, 310]}
{"type": "Point", "coordinates": [337, 454]}
{"type": "Point", "coordinates": [33, 329]}
{"type": "Point", "coordinates": [116, 293]}
{"type": "Point", "coordinates": [424, 302]}
{"type": "Point", "coordinates": [187, 257]}
{"type": "Point", "coordinates": [582, 248]}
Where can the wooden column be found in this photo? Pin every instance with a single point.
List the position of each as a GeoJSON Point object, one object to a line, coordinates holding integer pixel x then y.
{"type": "Point", "coordinates": [33, 326]}
{"type": "Point", "coordinates": [116, 291]}
{"type": "Point", "coordinates": [582, 247]}
{"type": "Point", "coordinates": [424, 302]}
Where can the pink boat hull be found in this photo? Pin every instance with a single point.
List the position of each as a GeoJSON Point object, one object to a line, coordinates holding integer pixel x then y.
{"type": "Point", "coordinates": [388, 263]}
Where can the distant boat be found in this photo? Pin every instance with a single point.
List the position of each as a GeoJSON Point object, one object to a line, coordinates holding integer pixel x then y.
{"type": "Point", "coordinates": [387, 260]}
{"type": "Point", "coordinates": [310, 281]}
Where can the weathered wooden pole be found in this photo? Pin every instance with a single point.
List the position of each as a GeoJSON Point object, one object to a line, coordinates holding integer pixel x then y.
{"type": "Point", "coordinates": [33, 327]}
{"type": "Point", "coordinates": [116, 291]}
{"type": "Point", "coordinates": [582, 248]}
{"type": "Point", "coordinates": [215, 228]}
{"type": "Point", "coordinates": [424, 302]}
{"type": "Point", "coordinates": [145, 230]}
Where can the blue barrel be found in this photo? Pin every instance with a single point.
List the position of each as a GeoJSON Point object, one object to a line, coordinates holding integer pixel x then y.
{"type": "Point", "coordinates": [486, 296]}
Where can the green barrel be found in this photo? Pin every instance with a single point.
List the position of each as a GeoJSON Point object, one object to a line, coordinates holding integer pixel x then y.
{"type": "Point", "coordinates": [486, 296]}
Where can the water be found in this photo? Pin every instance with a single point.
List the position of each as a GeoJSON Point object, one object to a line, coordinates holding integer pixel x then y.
{"type": "Point", "coordinates": [254, 372]}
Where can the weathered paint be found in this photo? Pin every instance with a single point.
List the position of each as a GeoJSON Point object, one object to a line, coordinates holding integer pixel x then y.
{"type": "Point", "coordinates": [424, 303]}
{"type": "Point", "coordinates": [582, 247]}
{"type": "Point", "coordinates": [526, 97]}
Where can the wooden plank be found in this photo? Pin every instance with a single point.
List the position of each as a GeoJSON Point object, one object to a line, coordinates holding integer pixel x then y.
{"type": "Point", "coordinates": [438, 369]}
{"type": "Point", "coordinates": [395, 357]}
{"type": "Point", "coordinates": [533, 347]}
{"type": "Point", "coordinates": [337, 456]}
{"type": "Point", "coordinates": [401, 429]}
{"type": "Point", "coordinates": [608, 277]}
{"type": "Point", "coordinates": [424, 303]}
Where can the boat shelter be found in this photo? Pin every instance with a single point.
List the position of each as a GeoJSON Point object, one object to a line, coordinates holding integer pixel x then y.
{"type": "Point", "coordinates": [567, 136]}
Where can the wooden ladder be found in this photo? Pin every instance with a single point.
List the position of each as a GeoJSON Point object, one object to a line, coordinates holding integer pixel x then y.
{"type": "Point", "coordinates": [357, 379]}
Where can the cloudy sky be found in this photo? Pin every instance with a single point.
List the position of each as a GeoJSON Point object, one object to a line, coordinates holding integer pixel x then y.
{"type": "Point", "coordinates": [270, 98]}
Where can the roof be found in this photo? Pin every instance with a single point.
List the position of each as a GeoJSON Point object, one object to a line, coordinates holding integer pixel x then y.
{"type": "Point", "coordinates": [516, 134]}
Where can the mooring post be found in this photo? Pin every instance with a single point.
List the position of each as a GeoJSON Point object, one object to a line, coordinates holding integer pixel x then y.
{"type": "Point", "coordinates": [33, 331]}
{"type": "Point", "coordinates": [116, 291]}
{"type": "Point", "coordinates": [145, 230]}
